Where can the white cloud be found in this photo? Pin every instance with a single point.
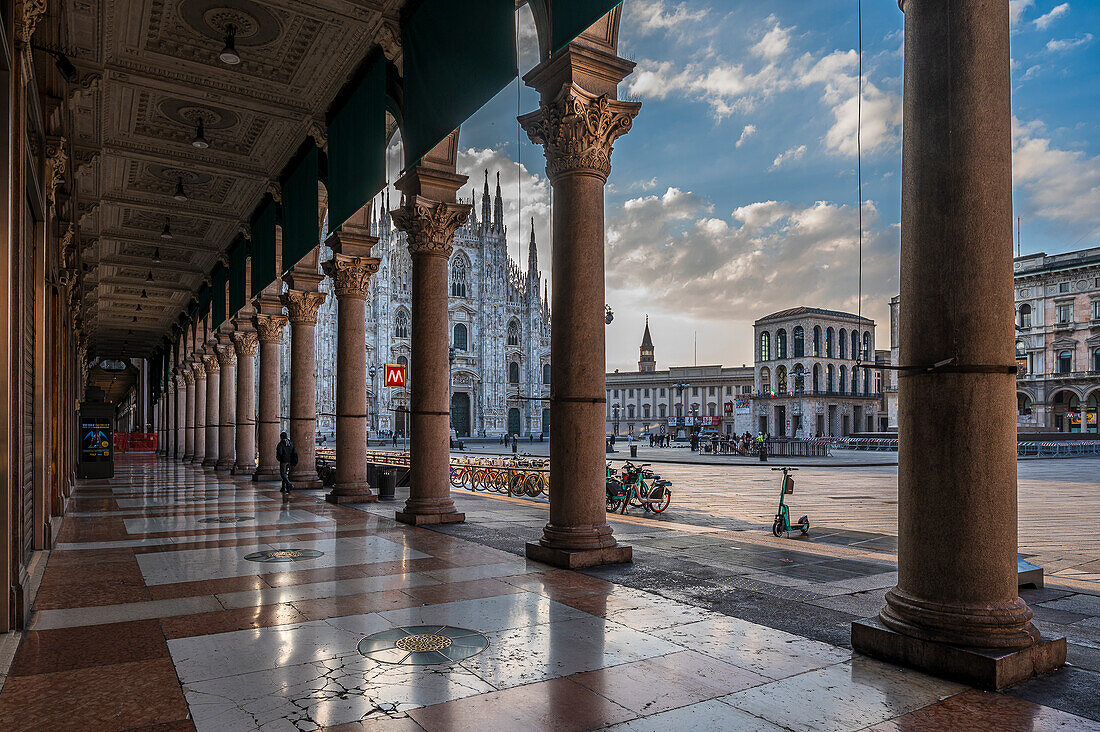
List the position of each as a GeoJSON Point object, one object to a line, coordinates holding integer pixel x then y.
{"type": "Point", "coordinates": [774, 43]}
{"type": "Point", "coordinates": [746, 132]}
{"type": "Point", "coordinates": [1044, 21]}
{"type": "Point", "coordinates": [794, 153]}
{"type": "Point", "coordinates": [650, 16]}
{"type": "Point", "coordinates": [1016, 10]}
{"type": "Point", "coordinates": [766, 256]}
{"type": "Point", "coordinates": [534, 196]}
{"type": "Point", "coordinates": [1068, 44]}
{"type": "Point", "coordinates": [1062, 186]}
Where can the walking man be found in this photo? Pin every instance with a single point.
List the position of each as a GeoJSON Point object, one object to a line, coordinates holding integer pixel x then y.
{"type": "Point", "coordinates": [287, 455]}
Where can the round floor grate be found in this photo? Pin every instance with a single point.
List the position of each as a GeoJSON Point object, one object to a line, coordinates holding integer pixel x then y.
{"type": "Point", "coordinates": [423, 645]}
{"type": "Point", "coordinates": [225, 519]}
{"type": "Point", "coordinates": [284, 555]}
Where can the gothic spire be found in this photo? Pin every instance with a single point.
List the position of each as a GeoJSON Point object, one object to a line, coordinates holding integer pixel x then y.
{"type": "Point", "coordinates": [532, 251]}
{"type": "Point", "coordinates": [646, 362]}
{"type": "Point", "coordinates": [473, 209]}
{"type": "Point", "coordinates": [486, 211]}
{"type": "Point", "coordinates": [498, 208]}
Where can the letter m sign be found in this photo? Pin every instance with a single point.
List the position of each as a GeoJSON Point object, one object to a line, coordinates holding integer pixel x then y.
{"type": "Point", "coordinates": [395, 375]}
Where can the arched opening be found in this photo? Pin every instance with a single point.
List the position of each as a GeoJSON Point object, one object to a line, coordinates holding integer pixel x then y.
{"type": "Point", "coordinates": [781, 379]}
{"type": "Point", "coordinates": [765, 380]}
{"type": "Point", "coordinates": [867, 347]}
{"type": "Point", "coordinates": [1065, 412]}
{"type": "Point", "coordinates": [1096, 360]}
{"type": "Point", "coordinates": [855, 344]}
{"type": "Point", "coordinates": [513, 333]}
{"type": "Point", "coordinates": [545, 422]}
{"type": "Point", "coordinates": [461, 337]}
{"type": "Point", "coordinates": [1023, 405]}
{"type": "Point", "coordinates": [781, 343]}
{"type": "Point", "coordinates": [1065, 362]}
{"type": "Point", "coordinates": [1025, 316]}
{"type": "Point", "coordinates": [765, 346]}
{"type": "Point", "coordinates": [546, 374]}
{"type": "Point", "coordinates": [799, 374]}
{"type": "Point", "coordinates": [1091, 423]}
{"type": "Point", "coordinates": [799, 344]}
{"type": "Point", "coordinates": [513, 421]}
{"type": "Point", "coordinates": [829, 351]}
{"type": "Point", "coordinates": [842, 342]}
{"type": "Point", "coordinates": [816, 350]}
{"type": "Point", "coordinates": [513, 373]}
{"type": "Point", "coordinates": [843, 376]}
{"type": "Point", "coordinates": [817, 378]}
{"type": "Point", "coordinates": [830, 379]}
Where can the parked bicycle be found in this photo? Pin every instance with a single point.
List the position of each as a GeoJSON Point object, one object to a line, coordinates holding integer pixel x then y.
{"type": "Point", "coordinates": [637, 486]}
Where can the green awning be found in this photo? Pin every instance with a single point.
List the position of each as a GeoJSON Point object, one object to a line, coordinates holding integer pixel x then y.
{"type": "Point", "coordinates": [456, 56]}
{"type": "Point", "coordinates": [238, 275]}
{"type": "Point", "coordinates": [301, 232]}
{"type": "Point", "coordinates": [220, 278]}
{"type": "Point", "coordinates": [570, 18]}
{"type": "Point", "coordinates": [357, 146]}
{"type": "Point", "coordinates": [263, 246]}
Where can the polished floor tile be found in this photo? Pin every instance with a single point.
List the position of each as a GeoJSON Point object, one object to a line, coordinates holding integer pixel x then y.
{"type": "Point", "coordinates": [706, 716]}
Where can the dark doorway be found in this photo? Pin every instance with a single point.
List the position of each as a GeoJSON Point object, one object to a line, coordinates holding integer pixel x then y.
{"type": "Point", "coordinates": [513, 421]}
{"type": "Point", "coordinates": [546, 421]}
{"type": "Point", "coordinates": [460, 413]}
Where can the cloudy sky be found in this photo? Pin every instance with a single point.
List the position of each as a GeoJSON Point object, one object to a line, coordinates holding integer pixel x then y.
{"type": "Point", "coordinates": [735, 193]}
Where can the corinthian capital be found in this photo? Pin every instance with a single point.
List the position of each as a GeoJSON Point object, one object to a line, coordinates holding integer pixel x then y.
{"type": "Point", "coordinates": [27, 13]}
{"type": "Point", "coordinates": [226, 356]}
{"type": "Point", "coordinates": [351, 275]}
{"type": "Point", "coordinates": [430, 225]}
{"type": "Point", "coordinates": [244, 343]}
{"type": "Point", "coordinates": [269, 328]}
{"type": "Point", "coordinates": [578, 130]}
{"type": "Point", "coordinates": [302, 306]}
{"type": "Point", "coordinates": [211, 364]}
{"type": "Point", "coordinates": [189, 377]}
{"type": "Point", "coordinates": [199, 370]}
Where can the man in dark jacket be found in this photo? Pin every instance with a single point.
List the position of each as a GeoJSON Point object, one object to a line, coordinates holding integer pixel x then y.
{"type": "Point", "coordinates": [287, 455]}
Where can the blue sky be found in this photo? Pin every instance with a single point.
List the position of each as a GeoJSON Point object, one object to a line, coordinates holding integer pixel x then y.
{"type": "Point", "coordinates": [734, 195]}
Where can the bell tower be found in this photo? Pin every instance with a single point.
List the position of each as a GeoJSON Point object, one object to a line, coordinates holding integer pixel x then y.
{"type": "Point", "coordinates": [646, 363]}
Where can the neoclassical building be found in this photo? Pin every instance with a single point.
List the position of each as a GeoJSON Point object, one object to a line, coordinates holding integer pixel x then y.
{"type": "Point", "coordinates": [807, 381]}
{"type": "Point", "coordinates": [499, 332]}
{"type": "Point", "coordinates": [1058, 340]}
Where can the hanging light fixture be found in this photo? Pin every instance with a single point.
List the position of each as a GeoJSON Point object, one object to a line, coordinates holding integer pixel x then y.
{"type": "Point", "coordinates": [133, 319]}
{"type": "Point", "coordinates": [149, 277]}
{"type": "Point", "coordinates": [137, 309]}
{"type": "Point", "coordinates": [143, 294]}
{"type": "Point", "coordinates": [229, 54]}
{"type": "Point", "coordinates": [179, 194]}
{"type": "Point", "coordinates": [166, 233]}
{"type": "Point", "coordinates": [200, 137]}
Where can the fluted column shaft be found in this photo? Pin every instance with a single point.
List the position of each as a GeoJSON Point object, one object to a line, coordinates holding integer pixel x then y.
{"type": "Point", "coordinates": [200, 413]}
{"type": "Point", "coordinates": [179, 426]}
{"type": "Point", "coordinates": [577, 129]}
{"type": "Point", "coordinates": [189, 419]}
{"type": "Point", "coordinates": [430, 226]}
{"type": "Point", "coordinates": [213, 409]}
{"type": "Point", "coordinates": [244, 343]}
{"type": "Point", "coordinates": [302, 307]}
{"type": "Point", "coordinates": [270, 331]}
{"type": "Point", "coordinates": [227, 408]}
{"type": "Point", "coordinates": [351, 281]}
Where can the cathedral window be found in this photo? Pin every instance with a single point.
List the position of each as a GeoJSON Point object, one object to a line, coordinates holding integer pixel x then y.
{"type": "Point", "coordinates": [513, 333]}
{"type": "Point", "coordinates": [401, 325]}
{"type": "Point", "coordinates": [546, 373]}
{"type": "Point", "coordinates": [765, 346]}
{"type": "Point", "coordinates": [513, 373]}
{"type": "Point", "coordinates": [461, 337]}
{"type": "Point", "coordinates": [458, 278]}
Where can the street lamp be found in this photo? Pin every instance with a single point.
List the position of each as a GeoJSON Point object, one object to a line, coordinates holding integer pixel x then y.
{"type": "Point", "coordinates": [681, 386]}
{"type": "Point", "coordinates": [372, 372]}
{"type": "Point", "coordinates": [615, 419]}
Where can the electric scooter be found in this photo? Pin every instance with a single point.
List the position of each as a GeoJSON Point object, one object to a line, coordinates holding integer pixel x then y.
{"type": "Point", "coordinates": [782, 517]}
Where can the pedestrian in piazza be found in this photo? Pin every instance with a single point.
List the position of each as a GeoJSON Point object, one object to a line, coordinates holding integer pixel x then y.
{"type": "Point", "coordinates": [287, 455]}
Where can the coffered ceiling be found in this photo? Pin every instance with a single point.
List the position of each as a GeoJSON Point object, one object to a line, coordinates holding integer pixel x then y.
{"type": "Point", "coordinates": [149, 72]}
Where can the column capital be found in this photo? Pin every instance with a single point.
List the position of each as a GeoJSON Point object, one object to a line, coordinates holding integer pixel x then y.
{"type": "Point", "coordinates": [189, 377]}
{"type": "Point", "coordinates": [210, 363]}
{"type": "Point", "coordinates": [351, 275]}
{"type": "Point", "coordinates": [578, 129]}
{"type": "Point", "coordinates": [198, 369]}
{"type": "Point", "coordinates": [269, 328]}
{"type": "Point", "coordinates": [302, 305]}
{"type": "Point", "coordinates": [244, 343]}
{"type": "Point", "coordinates": [226, 356]}
{"type": "Point", "coordinates": [430, 225]}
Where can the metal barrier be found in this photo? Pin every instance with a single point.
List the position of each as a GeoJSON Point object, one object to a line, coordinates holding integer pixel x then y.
{"type": "Point", "coordinates": [794, 448]}
{"type": "Point", "coordinates": [1024, 448]}
{"type": "Point", "coordinates": [135, 442]}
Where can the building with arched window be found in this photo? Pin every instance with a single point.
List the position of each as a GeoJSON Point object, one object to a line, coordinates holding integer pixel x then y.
{"type": "Point", "coordinates": [821, 390]}
{"type": "Point", "coordinates": [499, 323]}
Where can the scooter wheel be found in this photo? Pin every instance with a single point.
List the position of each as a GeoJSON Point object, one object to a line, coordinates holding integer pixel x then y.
{"type": "Point", "coordinates": [777, 527]}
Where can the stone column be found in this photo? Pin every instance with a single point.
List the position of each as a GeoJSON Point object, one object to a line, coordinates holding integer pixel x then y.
{"type": "Point", "coordinates": [189, 415]}
{"type": "Point", "coordinates": [213, 408]}
{"type": "Point", "coordinates": [351, 279]}
{"type": "Point", "coordinates": [244, 343]}
{"type": "Point", "coordinates": [429, 226]}
{"type": "Point", "coordinates": [179, 426]}
{"type": "Point", "coordinates": [577, 122]}
{"type": "Point", "coordinates": [199, 424]}
{"type": "Point", "coordinates": [956, 610]}
{"type": "Point", "coordinates": [302, 307]}
{"type": "Point", "coordinates": [227, 409]}
{"type": "Point", "coordinates": [270, 332]}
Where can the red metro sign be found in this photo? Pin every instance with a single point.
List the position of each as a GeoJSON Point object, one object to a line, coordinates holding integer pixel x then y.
{"type": "Point", "coordinates": [395, 375]}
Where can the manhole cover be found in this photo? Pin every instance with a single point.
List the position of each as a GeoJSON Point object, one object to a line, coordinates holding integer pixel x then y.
{"type": "Point", "coordinates": [423, 645]}
{"type": "Point", "coordinates": [225, 519]}
{"type": "Point", "coordinates": [283, 555]}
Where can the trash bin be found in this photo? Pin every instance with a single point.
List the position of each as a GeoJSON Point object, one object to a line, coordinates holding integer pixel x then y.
{"type": "Point", "coordinates": [633, 451]}
{"type": "Point", "coordinates": [387, 484]}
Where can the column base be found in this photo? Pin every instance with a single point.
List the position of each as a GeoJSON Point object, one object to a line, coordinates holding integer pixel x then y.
{"type": "Point", "coordinates": [246, 470]}
{"type": "Point", "coordinates": [345, 497]}
{"type": "Point", "coordinates": [266, 473]}
{"type": "Point", "coordinates": [429, 519]}
{"type": "Point", "coordinates": [579, 558]}
{"type": "Point", "coordinates": [991, 670]}
{"type": "Point", "coordinates": [210, 462]}
{"type": "Point", "coordinates": [223, 466]}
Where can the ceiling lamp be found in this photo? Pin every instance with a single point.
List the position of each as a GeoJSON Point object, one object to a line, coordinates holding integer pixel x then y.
{"type": "Point", "coordinates": [179, 194]}
{"type": "Point", "coordinates": [149, 277]}
{"type": "Point", "coordinates": [143, 295]}
{"type": "Point", "coordinates": [166, 233]}
{"type": "Point", "coordinates": [229, 54]}
{"type": "Point", "coordinates": [137, 309]}
{"type": "Point", "coordinates": [133, 319]}
{"type": "Point", "coordinates": [200, 137]}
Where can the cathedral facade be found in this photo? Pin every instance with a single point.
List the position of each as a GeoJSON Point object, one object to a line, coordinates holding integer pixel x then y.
{"type": "Point", "coordinates": [499, 325]}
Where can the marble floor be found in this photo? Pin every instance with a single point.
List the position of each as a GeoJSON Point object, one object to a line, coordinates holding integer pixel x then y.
{"type": "Point", "coordinates": [154, 614]}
